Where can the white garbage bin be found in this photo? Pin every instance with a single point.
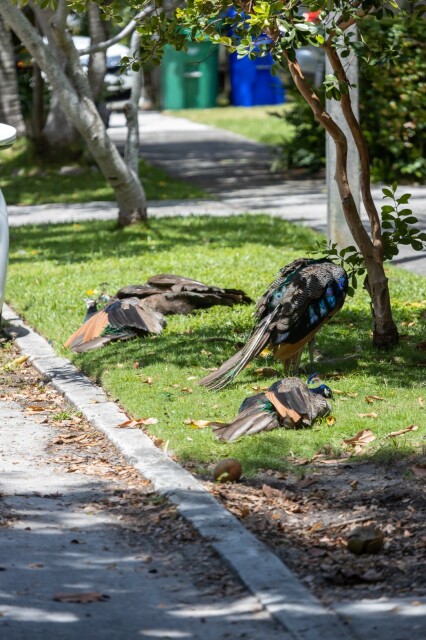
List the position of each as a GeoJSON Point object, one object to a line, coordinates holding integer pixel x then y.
{"type": "Point", "coordinates": [7, 138]}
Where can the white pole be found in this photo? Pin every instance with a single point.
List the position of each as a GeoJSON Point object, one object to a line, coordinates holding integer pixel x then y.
{"type": "Point", "coordinates": [7, 138]}
{"type": "Point", "coordinates": [338, 230]}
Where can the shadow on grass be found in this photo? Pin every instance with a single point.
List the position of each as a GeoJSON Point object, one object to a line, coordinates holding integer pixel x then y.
{"type": "Point", "coordinates": [83, 241]}
{"type": "Point", "coordinates": [342, 353]}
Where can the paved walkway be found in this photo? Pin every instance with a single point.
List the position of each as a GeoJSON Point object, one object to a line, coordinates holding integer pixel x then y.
{"type": "Point", "coordinates": [234, 171]}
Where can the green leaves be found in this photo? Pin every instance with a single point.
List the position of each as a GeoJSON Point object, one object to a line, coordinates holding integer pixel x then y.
{"type": "Point", "coordinates": [397, 224]}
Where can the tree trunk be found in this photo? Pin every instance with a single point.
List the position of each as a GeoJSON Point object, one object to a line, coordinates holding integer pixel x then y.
{"type": "Point", "coordinates": [37, 118]}
{"type": "Point", "coordinates": [75, 99]}
{"type": "Point", "coordinates": [131, 151]}
{"type": "Point", "coordinates": [385, 332]}
{"type": "Point", "coordinates": [10, 106]}
{"type": "Point", "coordinates": [59, 137]}
{"type": "Point", "coordinates": [97, 60]}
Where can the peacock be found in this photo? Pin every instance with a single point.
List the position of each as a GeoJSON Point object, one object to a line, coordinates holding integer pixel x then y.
{"type": "Point", "coordinates": [305, 294]}
{"type": "Point", "coordinates": [288, 403]}
{"type": "Point", "coordinates": [118, 320]}
{"type": "Point", "coordinates": [171, 294]}
{"type": "Point", "coordinates": [138, 310]}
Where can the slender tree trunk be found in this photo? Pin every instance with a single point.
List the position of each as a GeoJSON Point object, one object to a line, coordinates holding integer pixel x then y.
{"type": "Point", "coordinates": [97, 60]}
{"type": "Point", "coordinates": [385, 332]}
{"type": "Point", "coordinates": [10, 106]}
{"type": "Point", "coordinates": [131, 151]}
{"type": "Point", "coordinates": [37, 119]}
{"type": "Point", "coordinates": [73, 92]}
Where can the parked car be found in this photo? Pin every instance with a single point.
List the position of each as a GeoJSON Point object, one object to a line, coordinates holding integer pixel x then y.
{"type": "Point", "coordinates": [118, 83]}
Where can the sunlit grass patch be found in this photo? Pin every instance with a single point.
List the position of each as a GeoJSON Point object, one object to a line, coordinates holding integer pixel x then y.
{"type": "Point", "coordinates": [52, 269]}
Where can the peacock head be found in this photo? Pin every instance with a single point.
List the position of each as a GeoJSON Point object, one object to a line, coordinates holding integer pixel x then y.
{"type": "Point", "coordinates": [91, 305]}
{"type": "Point", "coordinates": [322, 389]}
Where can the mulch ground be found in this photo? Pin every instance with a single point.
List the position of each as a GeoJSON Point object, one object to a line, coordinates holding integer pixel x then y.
{"type": "Point", "coordinates": [306, 516]}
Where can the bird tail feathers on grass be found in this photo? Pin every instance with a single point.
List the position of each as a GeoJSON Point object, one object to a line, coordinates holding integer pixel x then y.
{"type": "Point", "coordinates": [232, 367]}
{"type": "Point", "coordinates": [250, 421]}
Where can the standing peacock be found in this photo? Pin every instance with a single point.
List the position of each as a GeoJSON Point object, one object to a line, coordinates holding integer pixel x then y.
{"type": "Point", "coordinates": [118, 320]}
{"type": "Point", "coordinates": [304, 295]}
{"type": "Point", "coordinates": [288, 403]}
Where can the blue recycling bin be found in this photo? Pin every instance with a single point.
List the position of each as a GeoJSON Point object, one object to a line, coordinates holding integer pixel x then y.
{"type": "Point", "coordinates": [252, 82]}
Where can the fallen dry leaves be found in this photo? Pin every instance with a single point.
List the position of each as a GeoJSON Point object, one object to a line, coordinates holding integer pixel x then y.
{"type": "Point", "coordinates": [371, 399]}
{"type": "Point", "coordinates": [360, 440]}
{"type": "Point", "coordinates": [201, 424]}
{"type": "Point", "coordinates": [394, 434]}
{"type": "Point", "coordinates": [136, 422]}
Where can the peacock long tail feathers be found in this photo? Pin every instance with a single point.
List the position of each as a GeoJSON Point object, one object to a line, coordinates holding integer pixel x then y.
{"type": "Point", "coordinates": [252, 420]}
{"type": "Point", "coordinates": [232, 367]}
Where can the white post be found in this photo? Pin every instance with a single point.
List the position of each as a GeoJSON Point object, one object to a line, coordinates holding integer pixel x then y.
{"type": "Point", "coordinates": [338, 230]}
{"type": "Point", "coordinates": [7, 138]}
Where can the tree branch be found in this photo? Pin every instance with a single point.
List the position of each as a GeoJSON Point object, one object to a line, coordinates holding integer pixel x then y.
{"type": "Point", "coordinates": [127, 30]}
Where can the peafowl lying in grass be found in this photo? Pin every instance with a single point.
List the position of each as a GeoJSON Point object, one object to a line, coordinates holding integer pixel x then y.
{"type": "Point", "coordinates": [139, 310]}
{"type": "Point", "coordinates": [288, 403]}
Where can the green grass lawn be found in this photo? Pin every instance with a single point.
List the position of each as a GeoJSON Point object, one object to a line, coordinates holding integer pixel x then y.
{"type": "Point", "coordinates": [53, 267]}
{"type": "Point", "coordinates": [255, 123]}
{"type": "Point", "coordinates": [27, 180]}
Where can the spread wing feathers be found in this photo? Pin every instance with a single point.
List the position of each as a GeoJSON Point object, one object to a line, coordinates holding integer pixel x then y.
{"type": "Point", "coordinates": [96, 324]}
{"type": "Point", "coordinates": [287, 403]}
{"type": "Point", "coordinates": [138, 290]}
{"type": "Point", "coordinates": [252, 420]}
{"type": "Point", "coordinates": [182, 295]}
{"type": "Point", "coordinates": [120, 320]}
{"type": "Point", "coordinates": [134, 313]}
{"type": "Point", "coordinates": [232, 367]}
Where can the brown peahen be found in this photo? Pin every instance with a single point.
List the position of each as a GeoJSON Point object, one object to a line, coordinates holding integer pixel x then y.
{"type": "Point", "coordinates": [118, 320]}
{"type": "Point", "coordinates": [168, 293]}
{"type": "Point", "coordinates": [288, 403]}
{"type": "Point", "coordinates": [304, 295]}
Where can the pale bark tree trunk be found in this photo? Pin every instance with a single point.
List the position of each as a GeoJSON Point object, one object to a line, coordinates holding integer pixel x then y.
{"type": "Point", "coordinates": [131, 151]}
{"type": "Point", "coordinates": [59, 136]}
{"type": "Point", "coordinates": [97, 60]}
{"type": "Point", "coordinates": [10, 106]}
{"type": "Point", "coordinates": [75, 98]}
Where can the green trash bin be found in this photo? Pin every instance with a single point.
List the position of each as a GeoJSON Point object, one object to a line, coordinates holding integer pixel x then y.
{"type": "Point", "coordinates": [189, 79]}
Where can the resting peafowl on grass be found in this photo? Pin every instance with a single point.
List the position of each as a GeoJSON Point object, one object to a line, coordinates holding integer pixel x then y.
{"type": "Point", "coordinates": [169, 294]}
{"type": "Point", "coordinates": [305, 294]}
{"type": "Point", "coordinates": [118, 320]}
{"type": "Point", "coordinates": [288, 403]}
{"type": "Point", "coordinates": [138, 310]}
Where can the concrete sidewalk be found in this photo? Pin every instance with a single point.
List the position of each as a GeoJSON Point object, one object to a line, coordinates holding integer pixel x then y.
{"type": "Point", "coordinates": [234, 171]}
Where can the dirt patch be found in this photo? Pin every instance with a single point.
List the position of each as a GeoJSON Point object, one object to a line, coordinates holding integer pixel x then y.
{"type": "Point", "coordinates": [306, 518]}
